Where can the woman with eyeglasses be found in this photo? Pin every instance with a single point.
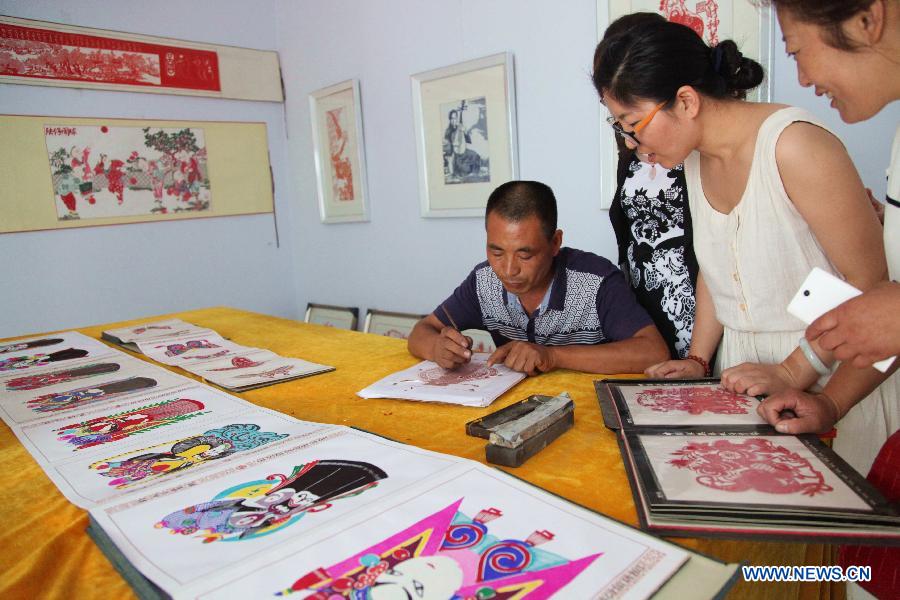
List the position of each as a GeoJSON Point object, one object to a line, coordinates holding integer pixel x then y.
{"type": "Point", "coordinates": [772, 194]}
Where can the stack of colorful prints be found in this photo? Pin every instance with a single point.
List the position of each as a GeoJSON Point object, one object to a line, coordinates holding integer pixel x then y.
{"type": "Point", "coordinates": [106, 380]}
{"type": "Point", "coordinates": [192, 492]}
{"type": "Point", "coordinates": [472, 384]}
{"type": "Point", "coordinates": [409, 524]}
{"type": "Point", "coordinates": [702, 462]}
{"type": "Point", "coordinates": [205, 353]}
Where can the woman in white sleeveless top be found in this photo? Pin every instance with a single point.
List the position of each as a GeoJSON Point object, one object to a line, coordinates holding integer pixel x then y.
{"type": "Point", "coordinates": [772, 194]}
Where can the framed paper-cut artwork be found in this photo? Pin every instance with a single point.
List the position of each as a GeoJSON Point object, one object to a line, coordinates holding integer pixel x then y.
{"type": "Point", "coordinates": [465, 118]}
{"type": "Point", "coordinates": [341, 317]}
{"type": "Point", "coordinates": [390, 324]}
{"type": "Point", "coordinates": [750, 24]}
{"type": "Point", "coordinates": [336, 118]}
{"type": "Point", "coordinates": [53, 54]}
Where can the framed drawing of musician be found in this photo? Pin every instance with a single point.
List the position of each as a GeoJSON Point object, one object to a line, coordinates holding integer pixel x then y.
{"type": "Point", "coordinates": [749, 23]}
{"type": "Point", "coordinates": [465, 117]}
{"type": "Point", "coordinates": [337, 133]}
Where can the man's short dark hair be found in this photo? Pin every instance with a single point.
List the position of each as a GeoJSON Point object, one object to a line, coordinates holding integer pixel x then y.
{"type": "Point", "coordinates": [518, 200]}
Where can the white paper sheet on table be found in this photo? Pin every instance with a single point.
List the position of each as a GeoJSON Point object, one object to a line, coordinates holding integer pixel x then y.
{"type": "Point", "coordinates": [473, 384]}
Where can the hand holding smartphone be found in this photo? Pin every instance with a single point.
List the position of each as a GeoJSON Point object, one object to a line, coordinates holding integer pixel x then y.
{"type": "Point", "coordinates": [821, 292]}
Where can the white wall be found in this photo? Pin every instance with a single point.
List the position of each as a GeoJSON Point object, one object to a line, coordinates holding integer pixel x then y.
{"type": "Point", "coordinates": [75, 277]}
{"type": "Point", "coordinates": [397, 261]}
{"type": "Point", "coordinates": [400, 261]}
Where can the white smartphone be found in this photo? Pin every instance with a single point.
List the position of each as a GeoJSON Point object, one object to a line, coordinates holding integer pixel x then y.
{"type": "Point", "coordinates": [820, 292]}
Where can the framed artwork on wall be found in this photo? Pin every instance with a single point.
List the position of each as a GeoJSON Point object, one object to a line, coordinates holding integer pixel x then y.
{"type": "Point", "coordinates": [390, 324]}
{"type": "Point", "coordinates": [465, 118]}
{"type": "Point", "coordinates": [339, 152]}
{"type": "Point", "coordinates": [748, 23]}
{"type": "Point", "coordinates": [66, 172]}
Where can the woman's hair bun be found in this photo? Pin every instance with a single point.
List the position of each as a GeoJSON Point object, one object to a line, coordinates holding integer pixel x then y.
{"type": "Point", "coordinates": [738, 72]}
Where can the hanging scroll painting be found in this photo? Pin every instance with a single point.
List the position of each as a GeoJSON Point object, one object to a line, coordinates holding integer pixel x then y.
{"type": "Point", "coordinates": [75, 172]}
{"type": "Point", "coordinates": [53, 54]}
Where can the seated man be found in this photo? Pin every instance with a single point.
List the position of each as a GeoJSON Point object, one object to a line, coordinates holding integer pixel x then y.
{"type": "Point", "coordinates": [546, 307]}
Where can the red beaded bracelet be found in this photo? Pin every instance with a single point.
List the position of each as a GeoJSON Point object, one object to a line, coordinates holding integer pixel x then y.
{"type": "Point", "coordinates": [706, 370]}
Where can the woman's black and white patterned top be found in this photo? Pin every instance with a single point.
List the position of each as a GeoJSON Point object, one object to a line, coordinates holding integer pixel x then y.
{"type": "Point", "coordinates": [650, 217]}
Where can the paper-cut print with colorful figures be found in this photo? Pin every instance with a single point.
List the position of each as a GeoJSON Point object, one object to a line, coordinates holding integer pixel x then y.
{"type": "Point", "coordinates": [33, 382]}
{"type": "Point", "coordinates": [40, 359]}
{"type": "Point", "coordinates": [184, 454]}
{"type": "Point", "coordinates": [262, 507]}
{"type": "Point", "coordinates": [694, 400]}
{"type": "Point", "coordinates": [111, 428]}
{"type": "Point", "coordinates": [754, 464]}
{"type": "Point", "coordinates": [125, 171]}
{"type": "Point", "coordinates": [87, 395]}
{"type": "Point", "coordinates": [446, 555]}
{"type": "Point", "coordinates": [18, 346]}
{"type": "Point", "coordinates": [194, 349]}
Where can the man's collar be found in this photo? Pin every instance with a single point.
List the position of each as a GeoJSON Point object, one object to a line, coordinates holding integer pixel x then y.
{"type": "Point", "coordinates": [558, 285]}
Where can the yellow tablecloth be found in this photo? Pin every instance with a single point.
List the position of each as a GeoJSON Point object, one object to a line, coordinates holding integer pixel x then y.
{"type": "Point", "coordinates": [45, 553]}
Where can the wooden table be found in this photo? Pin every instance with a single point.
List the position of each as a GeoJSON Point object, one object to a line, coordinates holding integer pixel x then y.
{"type": "Point", "coordinates": [46, 553]}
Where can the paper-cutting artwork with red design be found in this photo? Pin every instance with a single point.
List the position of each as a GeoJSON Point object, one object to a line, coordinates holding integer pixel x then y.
{"type": "Point", "coordinates": [468, 373]}
{"type": "Point", "coordinates": [341, 168]}
{"type": "Point", "coordinates": [702, 18]}
{"type": "Point", "coordinates": [33, 382]}
{"type": "Point", "coordinates": [192, 346]}
{"type": "Point", "coordinates": [694, 400]}
{"type": "Point", "coordinates": [147, 328]}
{"type": "Point", "coordinates": [447, 555]}
{"type": "Point", "coordinates": [271, 374]}
{"type": "Point", "coordinates": [40, 53]}
{"type": "Point", "coordinates": [239, 362]}
{"type": "Point", "coordinates": [754, 464]}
